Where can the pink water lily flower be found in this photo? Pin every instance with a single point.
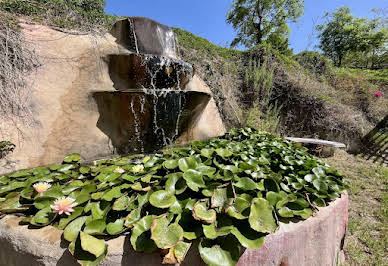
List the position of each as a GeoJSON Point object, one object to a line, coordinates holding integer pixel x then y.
{"type": "Point", "coordinates": [41, 187]}
{"type": "Point", "coordinates": [64, 205]}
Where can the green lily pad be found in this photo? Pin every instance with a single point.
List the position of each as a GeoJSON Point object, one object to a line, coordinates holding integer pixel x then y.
{"type": "Point", "coordinates": [116, 227]}
{"type": "Point", "coordinates": [261, 217]}
{"type": "Point", "coordinates": [226, 253]}
{"type": "Point", "coordinates": [246, 183]}
{"type": "Point", "coordinates": [194, 179]}
{"type": "Point", "coordinates": [162, 199]}
{"type": "Point", "coordinates": [72, 230]}
{"type": "Point", "coordinates": [95, 227]}
{"type": "Point", "coordinates": [212, 232]}
{"type": "Point", "coordinates": [165, 235]}
{"type": "Point", "coordinates": [75, 157]}
{"type": "Point", "coordinates": [141, 235]}
{"type": "Point", "coordinates": [187, 163]}
{"type": "Point", "coordinates": [202, 213]}
{"type": "Point", "coordinates": [92, 245]}
{"type": "Point", "coordinates": [171, 164]}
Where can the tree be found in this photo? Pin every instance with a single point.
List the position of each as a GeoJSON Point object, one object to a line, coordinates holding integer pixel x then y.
{"type": "Point", "coordinates": [256, 20]}
{"type": "Point", "coordinates": [346, 34]}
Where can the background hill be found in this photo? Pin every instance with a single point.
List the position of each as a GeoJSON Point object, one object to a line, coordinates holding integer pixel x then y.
{"type": "Point", "coordinates": [293, 95]}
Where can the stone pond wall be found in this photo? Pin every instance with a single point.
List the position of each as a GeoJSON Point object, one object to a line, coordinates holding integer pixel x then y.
{"type": "Point", "coordinates": [315, 241]}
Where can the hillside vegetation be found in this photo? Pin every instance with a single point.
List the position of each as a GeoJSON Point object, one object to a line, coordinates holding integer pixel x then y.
{"type": "Point", "coordinates": [308, 95]}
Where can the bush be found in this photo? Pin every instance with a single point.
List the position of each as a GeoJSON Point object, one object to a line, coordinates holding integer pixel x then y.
{"type": "Point", "coordinates": [86, 15]}
{"type": "Point", "coordinates": [314, 62]}
{"type": "Point", "coordinates": [6, 147]}
{"type": "Point", "coordinates": [227, 193]}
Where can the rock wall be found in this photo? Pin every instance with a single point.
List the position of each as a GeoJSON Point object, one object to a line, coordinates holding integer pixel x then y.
{"type": "Point", "coordinates": [73, 67]}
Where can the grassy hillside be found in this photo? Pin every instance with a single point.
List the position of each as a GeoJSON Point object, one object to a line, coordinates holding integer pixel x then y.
{"type": "Point", "coordinates": [313, 97]}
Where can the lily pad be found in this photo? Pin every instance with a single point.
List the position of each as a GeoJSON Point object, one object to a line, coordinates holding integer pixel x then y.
{"type": "Point", "coordinates": [165, 235]}
{"type": "Point", "coordinates": [261, 217]}
{"type": "Point", "coordinates": [162, 199]}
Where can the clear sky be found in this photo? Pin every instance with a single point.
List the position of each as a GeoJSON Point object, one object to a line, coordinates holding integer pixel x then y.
{"type": "Point", "coordinates": [206, 18]}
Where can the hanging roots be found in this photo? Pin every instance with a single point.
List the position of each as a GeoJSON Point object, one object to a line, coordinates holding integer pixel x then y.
{"type": "Point", "coordinates": [17, 60]}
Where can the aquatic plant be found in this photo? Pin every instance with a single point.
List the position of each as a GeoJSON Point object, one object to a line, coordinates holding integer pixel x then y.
{"type": "Point", "coordinates": [226, 194]}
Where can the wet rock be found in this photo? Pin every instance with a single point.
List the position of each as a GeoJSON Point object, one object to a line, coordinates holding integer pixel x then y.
{"type": "Point", "coordinates": [145, 36]}
{"type": "Point", "coordinates": [145, 121]}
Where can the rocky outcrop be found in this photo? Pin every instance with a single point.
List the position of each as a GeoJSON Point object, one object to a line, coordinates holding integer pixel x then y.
{"type": "Point", "coordinates": [315, 241]}
{"type": "Point", "coordinates": [74, 67]}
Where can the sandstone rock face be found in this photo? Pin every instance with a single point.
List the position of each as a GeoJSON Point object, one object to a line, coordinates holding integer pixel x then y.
{"type": "Point", "coordinates": [209, 124]}
{"type": "Point", "coordinates": [75, 67]}
{"type": "Point", "coordinates": [316, 241]}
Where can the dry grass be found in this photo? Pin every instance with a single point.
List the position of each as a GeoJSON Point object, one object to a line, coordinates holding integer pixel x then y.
{"type": "Point", "coordinates": [367, 238]}
{"type": "Point", "coordinates": [17, 60]}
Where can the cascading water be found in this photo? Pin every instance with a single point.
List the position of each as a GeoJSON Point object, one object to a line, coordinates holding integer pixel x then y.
{"type": "Point", "coordinates": [151, 108]}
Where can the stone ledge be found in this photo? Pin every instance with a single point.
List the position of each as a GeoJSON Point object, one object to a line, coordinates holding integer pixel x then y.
{"type": "Point", "coordinates": [316, 241]}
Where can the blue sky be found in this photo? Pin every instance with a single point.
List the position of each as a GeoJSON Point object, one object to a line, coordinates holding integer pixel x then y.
{"type": "Point", "coordinates": [206, 18]}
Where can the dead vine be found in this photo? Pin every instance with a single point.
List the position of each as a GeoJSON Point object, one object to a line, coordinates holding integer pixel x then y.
{"type": "Point", "coordinates": [17, 60]}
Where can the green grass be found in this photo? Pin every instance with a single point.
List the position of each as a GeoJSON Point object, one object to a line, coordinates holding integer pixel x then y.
{"type": "Point", "coordinates": [189, 40]}
{"type": "Point", "coordinates": [377, 76]}
{"type": "Point", "coordinates": [81, 14]}
{"type": "Point", "coordinates": [367, 238]}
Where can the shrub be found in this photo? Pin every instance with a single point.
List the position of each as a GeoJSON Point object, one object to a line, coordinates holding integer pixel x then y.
{"type": "Point", "coordinates": [314, 62]}
{"type": "Point", "coordinates": [227, 192]}
{"type": "Point", "coordinates": [87, 15]}
{"type": "Point", "coordinates": [6, 147]}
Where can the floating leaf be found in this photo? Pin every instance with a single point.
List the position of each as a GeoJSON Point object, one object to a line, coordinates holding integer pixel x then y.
{"type": "Point", "coordinates": [247, 237]}
{"type": "Point", "coordinates": [211, 232]}
{"type": "Point", "coordinates": [219, 197]}
{"type": "Point", "coordinates": [261, 218]}
{"type": "Point", "coordinates": [162, 199]}
{"type": "Point", "coordinates": [140, 240]}
{"type": "Point", "coordinates": [224, 152]}
{"type": "Point", "coordinates": [121, 203]}
{"type": "Point", "coordinates": [245, 183]}
{"type": "Point", "coordinates": [116, 227]}
{"type": "Point", "coordinates": [72, 230]}
{"type": "Point", "coordinates": [75, 157]}
{"type": "Point", "coordinates": [165, 235]}
{"type": "Point", "coordinates": [286, 212]}
{"type": "Point", "coordinates": [187, 163]}
{"type": "Point", "coordinates": [112, 194]}
{"type": "Point", "coordinates": [95, 227]}
{"type": "Point", "coordinates": [92, 245]}
{"type": "Point", "coordinates": [133, 217]}
{"type": "Point", "coordinates": [171, 164]}
{"type": "Point", "coordinates": [201, 212]}
{"type": "Point", "coordinates": [226, 253]}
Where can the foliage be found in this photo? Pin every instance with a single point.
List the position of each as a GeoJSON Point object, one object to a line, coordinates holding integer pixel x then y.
{"type": "Point", "coordinates": [314, 62]}
{"type": "Point", "coordinates": [187, 39]}
{"type": "Point", "coordinates": [6, 147]}
{"type": "Point", "coordinates": [256, 20]}
{"type": "Point", "coordinates": [227, 192]}
{"type": "Point", "coordinates": [88, 15]}
{"type": "Point", "coordinates": [344, 33]}
{"type": "Point", "coordinates": [378, 76]}
{"type": "Point", "coordinates": [220, 68]}
{"type": "Point", "coordinates": [279, 43]}
{"type": "Point", "coordinates": [264, 114]}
